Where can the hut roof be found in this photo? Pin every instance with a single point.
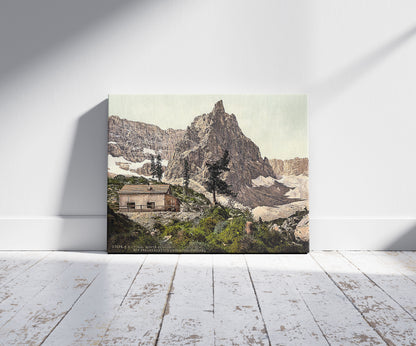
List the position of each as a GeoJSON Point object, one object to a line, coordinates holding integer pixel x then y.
{"type": "Point", "coordinates": [145, 189]}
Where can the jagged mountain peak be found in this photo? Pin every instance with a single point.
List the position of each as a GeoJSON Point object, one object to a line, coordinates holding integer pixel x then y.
{"type": "Point", "coordinates": [217, 127]}
{"type": "Point", "coordinates": [218, 107]}
{"type": "Point", "coordinates": [206, 139]}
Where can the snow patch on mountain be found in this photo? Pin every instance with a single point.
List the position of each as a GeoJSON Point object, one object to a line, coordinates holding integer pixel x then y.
{"type": "Point", "coordinates": [263, 181]}
{"type": "Point", "coordinates": [114, 164]}
{"type": "Point", "coordinates": [299, 185]}
{"type": "Point", "coordinates": [149, 151]}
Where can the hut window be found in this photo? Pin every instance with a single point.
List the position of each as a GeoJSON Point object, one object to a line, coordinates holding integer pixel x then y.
{"type": "Point", "coordinates": [151, 205]}
{"type": "Point", "coordinates": [131, 205]}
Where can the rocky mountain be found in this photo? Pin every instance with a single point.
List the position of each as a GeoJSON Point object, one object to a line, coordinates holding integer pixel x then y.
{"type": "Point", "coordinates": [206, 139]}
{"type": "Point", "coordinates": [136, 141]}
{"type": "Point", "coordinates": [296, 166]}
{"type": "Point", "coordinates": [132, 143]}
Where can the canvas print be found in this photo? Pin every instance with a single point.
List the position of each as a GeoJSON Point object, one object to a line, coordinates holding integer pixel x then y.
{"type": "Point", "coordinates": [207, 174]}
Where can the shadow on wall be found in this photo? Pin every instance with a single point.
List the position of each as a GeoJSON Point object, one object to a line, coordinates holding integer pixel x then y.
{"type": "Point", "coordinates": [324, 92]}
{"type": "Point", "coordinates": [406, 242]}
{"type": "Point", "coordinates": [83, 201]}
{"type": "Point", "coordinates": [84, 191]}
{"type": "Point", "coordinates": [29, 30]}
{"type": "Point", "coordinates": [327, 90]}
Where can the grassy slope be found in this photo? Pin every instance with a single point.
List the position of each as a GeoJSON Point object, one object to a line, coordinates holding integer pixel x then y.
{"type": "Point", "coordinates": [219, 230]}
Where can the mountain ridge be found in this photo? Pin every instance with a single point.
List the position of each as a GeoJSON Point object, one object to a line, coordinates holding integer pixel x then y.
{"type": "Point", "coordinates": [136, 141]}
{"type": "Point", "coordinates": [295, 166]}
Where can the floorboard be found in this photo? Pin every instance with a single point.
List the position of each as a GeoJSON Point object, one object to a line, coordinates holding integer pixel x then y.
{"type": "Point", "coordinates": [39, 315]}
{"type": "Point", "coordinates": [189, 315]}
{"type": "Point", "coordinates": [89, 319]}
{"type": "Point", "coordinates": [385, 275]}
{"type": "Point", "coordinates": [17, 292]}
{"type": "Point", "coordinates": [386, 316]}
{"type": "Point", "coordinates": [336, 298]}
{"type": "Point", "coordinates": [12, 264]}
{"type": "Point", "coordinates": [403, 262]}
{"type": "Point", "coordinates": [138, 319]}
{"type": "Point", "coordinates": [287, 317]}
{"type": "Point", "coordinates": [338, 319]}
{"type": "Point", "coordinates": [238, 320]}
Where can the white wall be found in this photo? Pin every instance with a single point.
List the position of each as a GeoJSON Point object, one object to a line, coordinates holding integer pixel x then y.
{"type": "Point", "coordinates": [60, 59]}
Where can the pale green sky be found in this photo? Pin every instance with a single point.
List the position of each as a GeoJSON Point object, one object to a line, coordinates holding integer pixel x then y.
{"type": "Point", "coordinates": [276, 123]}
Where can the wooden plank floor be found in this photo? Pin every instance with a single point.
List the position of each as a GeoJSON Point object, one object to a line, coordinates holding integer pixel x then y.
{"type": "Point", "coordinates": [89, 298]}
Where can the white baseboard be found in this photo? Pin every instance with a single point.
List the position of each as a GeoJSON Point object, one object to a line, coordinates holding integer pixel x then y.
{"type": "Point", "coordinates": [363, 234]}
{"type": "Point", "coordinates": [90, 233]}
{"type": "Point", "coordinates": [54, 233]}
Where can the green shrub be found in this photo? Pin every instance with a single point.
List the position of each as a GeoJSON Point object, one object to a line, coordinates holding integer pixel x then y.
{"type": "Point", "coordinates": [220, 226]}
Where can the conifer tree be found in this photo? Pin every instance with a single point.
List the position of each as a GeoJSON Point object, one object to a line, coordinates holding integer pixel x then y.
{"type": "Point", "coordinates": [158, 167]}
{"type": "Point", "coordinates": [186, 176]}
{"type": "Point", "coordinates": [214, 183]}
